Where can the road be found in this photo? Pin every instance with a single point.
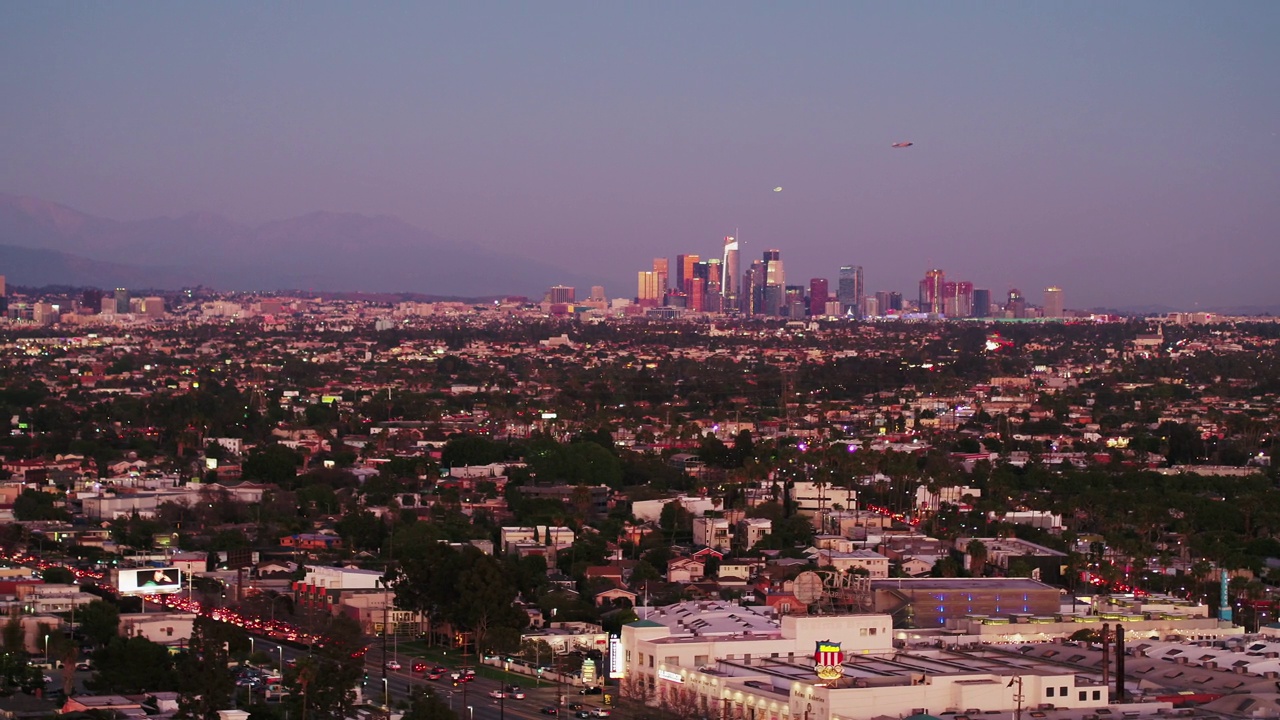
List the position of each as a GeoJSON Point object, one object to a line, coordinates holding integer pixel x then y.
{"type": "Point", "coordinates": [470, 700]}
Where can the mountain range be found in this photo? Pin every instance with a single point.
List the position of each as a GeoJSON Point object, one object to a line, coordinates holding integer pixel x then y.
{"type": "Point", "coordinates": [44, 243]}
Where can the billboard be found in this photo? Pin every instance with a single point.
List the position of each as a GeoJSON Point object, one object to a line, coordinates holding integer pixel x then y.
{"type": "Point", "coordinates": [149, 581]}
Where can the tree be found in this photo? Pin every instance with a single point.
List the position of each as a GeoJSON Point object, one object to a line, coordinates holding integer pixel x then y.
{"type": "Point", "coordinates": [426, 705]}
{"type": "Point", "coordinates": [100, 622]}
{"type": "Point", "coordinates": [38, 505]}
{"type": "Point", "coordinates": [14, 635]}
{"type": "Point", "coordinates": [58, 576]}
{"type": "Point", "coordinates": [131, 666]}
{"type": "Point", "coordinates": [206, 685]}
{"type": "Point", "coordinates": [322, 687]}
{"type": "Point", "coordinates": [273, 464]}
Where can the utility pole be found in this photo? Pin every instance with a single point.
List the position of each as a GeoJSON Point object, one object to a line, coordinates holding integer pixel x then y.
{"type": "Point", "coordinates": [1017, 695]}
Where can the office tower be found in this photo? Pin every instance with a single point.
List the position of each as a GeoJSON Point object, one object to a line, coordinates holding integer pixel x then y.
{"type": "Point", "coordinates": [895, 301]}
{"type": "Point", "coordinates": [122, 301]}
{"type": "Point", "coordinates": [774, 274]}
{"type": "Point", "coordinates": [850, 291]}
{"type": "Point", "coordinates": [981, 302]}
{"type": "Point", "coordinates": [715, 271]}
{"type": "Point", "coordinates": [1017, 305]}
{"type": "Point", "coordinates": [3, 290]}
{"type": "Point", "coordinates": [597, 293]}
{"type": "Point", "coordinates": [108, 305]}
{"type": "Point", "coordinates": [684, 271]}
{"type": "Point", "coordinates": [931, 292]}
{"type": "Point", "coordinates": [661, 267]}
{"type": "Point", "coordinates": [714, 299]}
{"type": "Point", "coordinates": [649, 291]}
{"type": "Point", "coordinates": [752, 300]}
{"type": "Point", "coordinates": [772, 300]}
{"type": "Point", "coordinates": [957, 299]}
{"type": "Point", "coordinates": [562, 295]}
{"type": "Point", "coordinates": [818, 297]}
{"type": "Point", "coordinates": [1053, 302]}
{"type": "Point", "coordinates": [729, 285]}
{"type": "Point", "coordinates": [882, 303]}
{"type": "Point", "coordinates": [697, 294]}
{"type": "Point", "coordinates": [153, 306]}
{"type": "Point", "coordinates": [871, 306]}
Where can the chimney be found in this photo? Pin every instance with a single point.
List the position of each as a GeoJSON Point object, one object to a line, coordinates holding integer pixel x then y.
{"type": "Point", "coordinates": [1106, 654]}
{"type": "Point", "coordinates": [1119, 663]}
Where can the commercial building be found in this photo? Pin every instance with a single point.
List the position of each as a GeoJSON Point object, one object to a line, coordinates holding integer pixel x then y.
{"type": "Point", "coordinates": [1053, 302]}
{"type": "Point", "coordinates": [732, 661]}
{"type": "Point", "coordinates": [850, 291]}
{"type": "Point", "coordinates": [818, 294]}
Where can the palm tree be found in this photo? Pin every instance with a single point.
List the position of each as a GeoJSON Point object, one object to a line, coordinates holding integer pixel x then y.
{"type": "Point", "coordinates": [977, 551]}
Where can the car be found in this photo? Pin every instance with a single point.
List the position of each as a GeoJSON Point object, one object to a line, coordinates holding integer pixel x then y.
{"type": "Point", "coordinates": [83, 666]}
{"type": "Point", "coordinates": [576, 706]}
{"type": "Point", "coordinates": [419, 667]}
{"type": "Point", "coordinates": [594, 690]}
{"type": "Point", "coordinates": [549, 710]}
{"type": "Point", "coordinates": [600, 712]}
{"type": "Point", "coordinates": [433, 675]}
{"type": "Point", "coordinates": [497, 694]}
{"type": "Point", "coordinates": [439, 669]}
{"type": "Point", "coordinates": [582, 714]}
{"type": "Point", "coordinates": [514, 692]}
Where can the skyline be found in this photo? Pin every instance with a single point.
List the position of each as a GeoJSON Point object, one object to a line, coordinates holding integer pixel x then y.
{"type": "Point", "coordinates": [1126, 153]}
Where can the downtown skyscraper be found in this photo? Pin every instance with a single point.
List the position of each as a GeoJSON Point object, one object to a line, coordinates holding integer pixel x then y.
{"type": "Point", "coordinates": [851, 290]}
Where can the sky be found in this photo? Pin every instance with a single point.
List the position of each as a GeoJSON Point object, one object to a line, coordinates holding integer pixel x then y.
{"type": "Point", "coordinates": [1126, 152]}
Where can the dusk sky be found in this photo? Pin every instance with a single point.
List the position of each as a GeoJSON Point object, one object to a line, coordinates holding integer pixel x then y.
{"type": "Point", "coordinates": [1128, 152]}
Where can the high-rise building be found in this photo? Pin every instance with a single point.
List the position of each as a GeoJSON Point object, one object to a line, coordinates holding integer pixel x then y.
{"type": "Point", "coordinates": [661, 266]}
{"type": "Point", "coordinates": [957, 299]}
{"type": "Point", "coordinates": [774, 274]}
{"type": "Point", "coordinates": [818, 293]}
{"type": "Point", "coordinates": [931, 292]}
{"type": "Point", "coordinates": [697, 294]}
{"type": "Point", "coordinates": [773, 300]}
{"type": "Point", "coordinates": [871, 305]}
{"type": "Point", "coordinates": [562, 295]}
{"type": "Point", "coordinates": [1053, 302]}
{"type": "Point", "coordinates": [153, 306]}
{"type": "Point", "coordinates": [684, 271]}
{"type": "Point", "coordinates": [3, 291]}
{"type": "Point", "coordinates": [749, 293]}
{"type": "Point", "coordinates": [597, 293]}
{"type": "Point", "coordinates": [729, 285]}
{"type": "Point", "coordinates": [649, 290]}
{"type": "Point", "coordinates": [1017, 305]}
{"type": "Point", "coordinates": [850, 290]}
{"type": "Point", "coordinates": [122, 301]}
{"type": "Point", "coordinates": [981, 302]}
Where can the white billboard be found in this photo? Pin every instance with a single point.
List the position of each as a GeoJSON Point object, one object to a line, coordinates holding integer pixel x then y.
{"type": "Point", "coordinates": [149, 581]}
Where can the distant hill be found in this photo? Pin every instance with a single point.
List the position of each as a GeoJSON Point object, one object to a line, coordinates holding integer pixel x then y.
{"type": "Point", "coordinates": [43, 243]}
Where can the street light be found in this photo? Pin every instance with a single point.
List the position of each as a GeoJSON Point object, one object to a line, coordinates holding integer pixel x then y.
{"type": "Point", "coordinates": [386, 693]}
{"type": "Point", "coordinates": [281, 649]}
{"type": "Point", "coordinates": [46, 648]}
{"type": "Point", "coordinates": [471, 713]}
